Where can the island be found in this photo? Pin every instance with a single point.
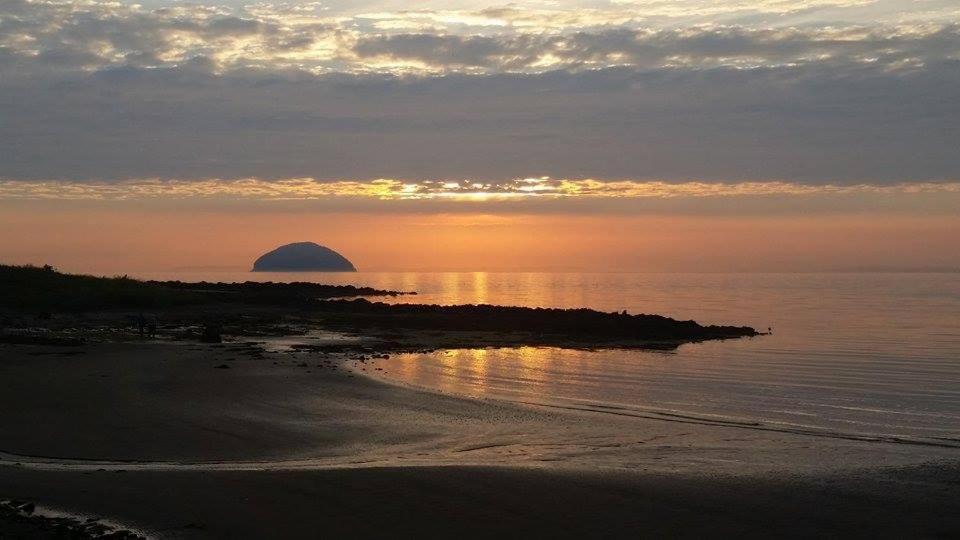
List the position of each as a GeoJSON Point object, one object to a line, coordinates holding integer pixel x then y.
{"type": "Point", "coordinates": [303, 257]}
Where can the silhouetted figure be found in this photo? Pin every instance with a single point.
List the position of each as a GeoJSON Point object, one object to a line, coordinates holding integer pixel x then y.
{"type": "Point", "coordinates": [141, 324]}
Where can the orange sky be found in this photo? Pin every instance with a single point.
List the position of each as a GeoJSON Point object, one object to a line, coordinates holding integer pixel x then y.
{"type": "Point", "coordinates": [138, 238]}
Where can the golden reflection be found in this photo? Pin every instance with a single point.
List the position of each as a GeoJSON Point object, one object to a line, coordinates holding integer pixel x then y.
{"type": "Point", "coordinates": [480, 365]}
{"type": "Point", "coordinates": [480, 287]}
{"type": "Point", "coordinates": [409, 281]}
{"type": "Point", "coordinates": [451, 284]}
{"type": "Point", "coordinates": [461, 371]}
{"type": "Point", "coordinates": [531, 365]}
{"type": "Point", "coordinates": [541, 374]}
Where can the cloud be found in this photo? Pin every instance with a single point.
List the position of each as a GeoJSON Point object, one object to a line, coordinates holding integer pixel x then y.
{"type": "Point", "coordinates": [555, 17]}
{"type": "Point", "coordinates": [452, 190]}
{"type": "Point", "coordinates": [829, 122]}
{"type": "Point", "coordinates": [105, 91]}
{"type": "Point", "coordinates": [99, 34]}
{"type": "Point", "coordinates": [695, 48]}
{"type": "Point", "coordinates": [45, 35]}
{"type": "Point", "coordinates": [512, 197]}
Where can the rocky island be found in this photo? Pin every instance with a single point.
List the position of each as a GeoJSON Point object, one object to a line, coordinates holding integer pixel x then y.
{"type": "Point", "coordinates": [303, 257]}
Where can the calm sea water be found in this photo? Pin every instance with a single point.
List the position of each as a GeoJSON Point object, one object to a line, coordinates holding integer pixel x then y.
{"type": "Point", "coordinates": [850, 354]}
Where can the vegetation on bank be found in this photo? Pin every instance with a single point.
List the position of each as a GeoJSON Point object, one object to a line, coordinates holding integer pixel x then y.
{"type": "Point", "coordinates": [43, 289]}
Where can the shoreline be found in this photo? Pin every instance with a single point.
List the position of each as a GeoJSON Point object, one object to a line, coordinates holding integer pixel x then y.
{"type": "Point", "coordinates": [664, 416]}
{"type": "Point", "coordinates": [312, 371]}
{"type": "Point", "coordinates": [380, 372]}
{"type": "Point", "coordinates": [305, 446]}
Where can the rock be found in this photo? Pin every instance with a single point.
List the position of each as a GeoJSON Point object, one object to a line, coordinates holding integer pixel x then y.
{"type": "Point", "coordinates": [40, 339]}
{"type": "Point", "coordinates": [211, 334]}
{"type": "Point", "coordinates": [303, 257]}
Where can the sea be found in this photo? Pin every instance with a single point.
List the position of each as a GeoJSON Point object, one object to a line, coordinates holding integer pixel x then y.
{"type": "Point", "coordinates": [863, 356]}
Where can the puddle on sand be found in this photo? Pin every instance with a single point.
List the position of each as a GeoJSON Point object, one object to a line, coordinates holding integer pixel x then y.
{"type": "Point", "coordinates": [317, 338]}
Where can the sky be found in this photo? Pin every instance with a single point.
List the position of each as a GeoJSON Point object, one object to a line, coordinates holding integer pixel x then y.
{"type": "Point", "coordinates": [552, 135]}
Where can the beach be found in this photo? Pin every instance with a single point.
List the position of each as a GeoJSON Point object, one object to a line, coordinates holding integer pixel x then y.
{"type": "Point", "coordinates": [178, 439]}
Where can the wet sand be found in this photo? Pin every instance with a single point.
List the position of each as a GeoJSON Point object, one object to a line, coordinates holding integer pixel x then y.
{"type": "Point", "coordinates": [512, 502]}
{"type": "Point", "coordinates": [158, 437]}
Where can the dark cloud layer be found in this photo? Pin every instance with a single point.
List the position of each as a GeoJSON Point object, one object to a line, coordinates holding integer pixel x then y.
{"type": "Point", "coordinates": [815, 123]}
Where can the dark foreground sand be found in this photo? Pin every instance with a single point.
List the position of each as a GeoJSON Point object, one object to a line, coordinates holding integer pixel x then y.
{"type": "Point", "coordinates": [158, 438]}
{"type": "Point", "coordinates": [506, 502]}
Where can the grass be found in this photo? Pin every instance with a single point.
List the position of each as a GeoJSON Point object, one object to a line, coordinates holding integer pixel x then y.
{"type": "Point", "coordinates": [44, 289]}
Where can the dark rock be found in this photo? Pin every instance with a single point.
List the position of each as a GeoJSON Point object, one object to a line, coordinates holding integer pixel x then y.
{"type": "Point", "coordinates": [211, 334]}
{"type": "Point", "coordinates": [539, 325]}
{"type": "Point", "coordinates": [303, 257]}
{"type": "Point", "coordinates": [40, 339]}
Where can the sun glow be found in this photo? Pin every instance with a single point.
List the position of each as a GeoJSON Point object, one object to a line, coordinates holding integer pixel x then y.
{"type": "Point", "coordinates": [463, 190]}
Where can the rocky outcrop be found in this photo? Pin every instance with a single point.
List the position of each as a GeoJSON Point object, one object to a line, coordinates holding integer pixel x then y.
{"type": "Point", "coordinates": [303, 257]}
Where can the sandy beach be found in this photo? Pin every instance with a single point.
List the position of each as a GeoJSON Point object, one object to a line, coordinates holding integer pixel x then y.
{"type": "Point", "coordinates": [190, 440]}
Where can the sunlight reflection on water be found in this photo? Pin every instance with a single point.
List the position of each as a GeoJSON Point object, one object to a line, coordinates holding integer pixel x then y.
{"type": "Point", "coordinates": [862, 353]}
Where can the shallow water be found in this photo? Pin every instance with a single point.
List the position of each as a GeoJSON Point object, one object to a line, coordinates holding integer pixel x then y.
{"type": "Point", "coordinates": [850, 354]}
